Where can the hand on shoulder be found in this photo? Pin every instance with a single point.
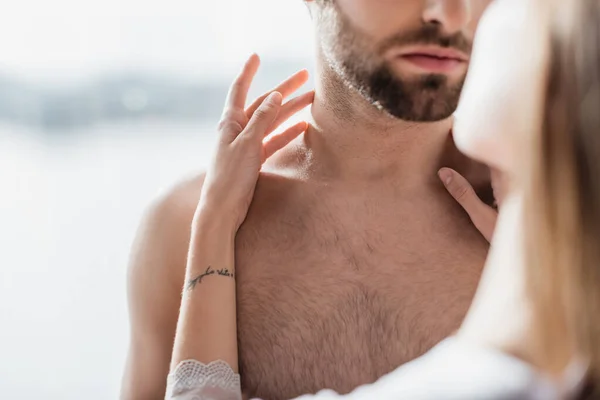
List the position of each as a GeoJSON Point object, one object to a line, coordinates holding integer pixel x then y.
{"type": "Point", "coordinates": [245, 143]}
{"type": "Point", "coordinates": [483, 216]}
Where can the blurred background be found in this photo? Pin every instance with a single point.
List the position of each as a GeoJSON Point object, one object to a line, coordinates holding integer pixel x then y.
{"type": "Point", "coordinates": [103, 105]}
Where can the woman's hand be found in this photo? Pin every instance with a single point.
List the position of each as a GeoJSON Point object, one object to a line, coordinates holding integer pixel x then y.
{"type": "Point", "coordinates": [241, 151]}
{"type": "Point", "coordinates": [483, 216]}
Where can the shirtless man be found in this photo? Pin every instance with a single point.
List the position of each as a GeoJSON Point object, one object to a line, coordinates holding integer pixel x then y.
{"type": "Point", "coordinates": [353, 257]}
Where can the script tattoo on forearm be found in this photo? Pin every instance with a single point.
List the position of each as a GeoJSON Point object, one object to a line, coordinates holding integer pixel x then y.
{"type": "Point", "coordinates": [209, 271]}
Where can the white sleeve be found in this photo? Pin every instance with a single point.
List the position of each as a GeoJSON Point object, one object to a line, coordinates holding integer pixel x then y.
{"type": "Point", "coordinates": [455, 370]}
{"type": "Point", "coordinates": [193, 380]}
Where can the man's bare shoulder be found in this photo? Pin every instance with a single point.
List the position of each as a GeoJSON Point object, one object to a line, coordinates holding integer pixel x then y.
{"type": "Point", "coordinates": [179, 200]}
{"type": "Point", "coordinates": [169, 216]}
{"type": "Point", "coordinates": [176, 205]}
{"type": "Point", "coordinates": [164, 232]}
{"type": "Point", "coordinates": [172, 211]}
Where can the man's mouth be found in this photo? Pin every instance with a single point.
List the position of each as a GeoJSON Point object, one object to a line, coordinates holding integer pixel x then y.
{"type": "Point", "coordinates": [433, 59]}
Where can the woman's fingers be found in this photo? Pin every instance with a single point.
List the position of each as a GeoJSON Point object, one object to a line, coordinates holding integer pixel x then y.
{"type": "Point", "coordinates": [482, 215]}
{"type": "Point", "coordinates": [280, 140]}
{"type": "Point", "coordinates": [237, 122]}
{"type": "Point", "coordinates": [233, 119]}
{"type": "Point", "coordinates": [286, 88]}
{"type": "Point", "coordinates": [263, 118]}
{"type": "Point", "coordinates": [290, 108]}
{"type": "Point", "coordinates": [238, 92]}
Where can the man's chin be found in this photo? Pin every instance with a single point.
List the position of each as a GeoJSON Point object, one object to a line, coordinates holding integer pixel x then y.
{"type": "Point", "coordinates": [432, 112]}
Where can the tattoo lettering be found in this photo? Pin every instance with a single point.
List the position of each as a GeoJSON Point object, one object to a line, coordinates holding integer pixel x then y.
{"type": "Point", "coordinates": [209, 271]}
{"type": "Point", "coordinates": [225, 272]}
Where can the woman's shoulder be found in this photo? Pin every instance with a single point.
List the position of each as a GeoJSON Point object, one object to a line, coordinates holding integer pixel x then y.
{"type": "Point", "coordinates": [457, 370]}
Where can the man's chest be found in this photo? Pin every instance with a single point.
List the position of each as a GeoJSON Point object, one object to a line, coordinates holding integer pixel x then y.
{"type": "Point", "coordinates": [333, 299]}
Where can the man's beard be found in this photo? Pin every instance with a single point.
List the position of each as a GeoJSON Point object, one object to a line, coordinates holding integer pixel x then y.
{"type": "Point", "coordinates": [425, 99]}
{"type": "Point", "coordinates": [360, 65]}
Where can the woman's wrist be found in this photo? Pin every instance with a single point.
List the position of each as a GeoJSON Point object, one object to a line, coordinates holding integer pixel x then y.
{"type": "Point", "coordinates": [212, 241]}
{"type": "Point", "coordinates": [214, 218]}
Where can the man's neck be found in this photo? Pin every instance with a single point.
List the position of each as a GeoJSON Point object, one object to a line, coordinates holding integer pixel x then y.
{"type": "Point", "coordinates": [350, 139]}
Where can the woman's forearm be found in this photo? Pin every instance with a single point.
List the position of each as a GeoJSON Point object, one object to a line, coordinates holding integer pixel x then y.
{"type": "Point", "coordinates": [207, 330]}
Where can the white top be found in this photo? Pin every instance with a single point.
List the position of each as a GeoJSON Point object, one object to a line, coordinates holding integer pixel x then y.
{"type": "Point", "coordinates": [453, 370]}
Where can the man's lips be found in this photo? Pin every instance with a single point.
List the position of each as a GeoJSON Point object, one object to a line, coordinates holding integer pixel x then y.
{"type": "Point", "coordinates": [435, 60]}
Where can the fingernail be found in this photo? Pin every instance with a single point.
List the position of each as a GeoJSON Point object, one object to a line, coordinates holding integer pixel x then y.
{"type": "Point", "coordinates": [445, 176]}
{"type": "Point", "coordinates": [274, 98]}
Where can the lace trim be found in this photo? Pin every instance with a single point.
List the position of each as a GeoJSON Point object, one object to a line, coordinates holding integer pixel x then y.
{"type": "Point", "coordinates": [213, 381]}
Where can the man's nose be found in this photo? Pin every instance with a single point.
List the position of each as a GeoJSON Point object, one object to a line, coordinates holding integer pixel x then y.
{"type": "Point", "coordinates": [451, 15]}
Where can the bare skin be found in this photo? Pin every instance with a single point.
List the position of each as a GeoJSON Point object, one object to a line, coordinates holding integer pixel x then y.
{"type": "Point", "coordinates": [352, 266]}
{"type": "Point", "coordinates": [351, 276]}
{"type": "Point", "coordinates": [352, 260]}
{"type": "Point", "coordinates": [350, 281]}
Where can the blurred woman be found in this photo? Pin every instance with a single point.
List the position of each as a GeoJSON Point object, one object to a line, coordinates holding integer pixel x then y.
{"type": "Point", "coordinates": [531, 110]}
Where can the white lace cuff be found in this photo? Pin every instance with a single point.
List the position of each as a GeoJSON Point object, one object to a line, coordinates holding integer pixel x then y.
{"type": "Point", "coordinates": [193, 380]}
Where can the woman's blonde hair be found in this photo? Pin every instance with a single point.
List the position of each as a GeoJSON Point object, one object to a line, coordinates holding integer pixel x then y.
{"type": "Point", "coordinates": [563, 190]}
